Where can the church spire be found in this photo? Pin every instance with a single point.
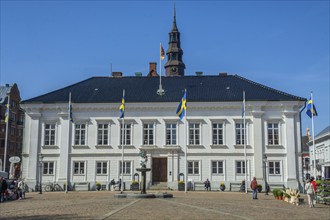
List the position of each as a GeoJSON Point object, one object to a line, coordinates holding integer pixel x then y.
{"type": "Point", "coordinates": [174, 65]}
{"type": "Point", "coordinates": [174, 27]}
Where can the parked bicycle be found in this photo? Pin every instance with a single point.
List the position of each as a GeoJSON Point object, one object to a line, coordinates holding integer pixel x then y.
{"type": "Point", "coordinates": [51, 187]}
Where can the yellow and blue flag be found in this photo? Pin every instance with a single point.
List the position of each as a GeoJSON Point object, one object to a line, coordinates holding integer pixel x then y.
{"type": "Point", "coordinates": [181, 110]}
{"type": "Point", "coordinates": [311, 110]}
{"type": "Point", "coordinates": [7, 113]}
{"type": "Point", "coordinates": [243, 105]}
{"type": "Point", "coordinates": [71, 118]}
{"type": "Point", "coordinates": [122, 106]}
{"type": "Point", "coordinates": [162, 53]}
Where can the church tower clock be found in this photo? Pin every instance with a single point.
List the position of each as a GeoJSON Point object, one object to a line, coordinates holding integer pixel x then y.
{"type": "Point", "coordinates": [174, 65]}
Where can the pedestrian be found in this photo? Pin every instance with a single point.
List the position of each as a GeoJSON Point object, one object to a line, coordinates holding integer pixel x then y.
{"type": "Point", "coordinates": [242, 188]}
{"type": "Point", "coordinates": [207, 185]}
{"type": "Point", "coordinates": [313, 182]}
{"type": "Point", "coordinates": [21, 189]}
{"type": "Point", "coordinates": [310, 193]}
{"type": "Point", "coordinates": [3, 189]}
{"type": "Point", "coordinates": [253, 186]}
{"type": "Point", "coordinates": [112, 185]}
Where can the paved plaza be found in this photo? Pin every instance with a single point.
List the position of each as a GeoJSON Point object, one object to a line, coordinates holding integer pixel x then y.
{"type": "Point", "coordinates": [191, 205]}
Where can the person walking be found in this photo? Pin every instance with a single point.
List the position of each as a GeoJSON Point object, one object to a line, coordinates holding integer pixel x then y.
{"type": "Point", "coordinates": [313, 182]}
{"type": "Point", "coordinates": [253, 186]}
{"type": "Point", "coordinates": [310, 193]}
{"type": "Point", "coordinates": [21, 189]}
{"type": "Point", "coordinates": [3, 189]}
{"type": "Point", "coordinates": [207, 185]}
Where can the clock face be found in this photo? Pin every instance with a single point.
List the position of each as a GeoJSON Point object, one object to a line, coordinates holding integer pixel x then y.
{"type": "Point", "coordinates": [174, 69]}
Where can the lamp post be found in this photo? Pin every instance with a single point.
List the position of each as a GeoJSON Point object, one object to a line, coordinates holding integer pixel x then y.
{"type": "Point", "coordinates": [40, 173]}
{"type": "Point", "coordinates": [265, 174]}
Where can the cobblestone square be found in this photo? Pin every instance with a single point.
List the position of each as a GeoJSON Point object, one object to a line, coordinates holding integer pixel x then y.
{"type": "Point", "coordinates": [191, 205]}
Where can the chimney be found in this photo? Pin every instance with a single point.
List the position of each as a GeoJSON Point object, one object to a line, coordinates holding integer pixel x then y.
{"type": "Point", "coordinates": [138, 74]}
{"type": "Point", "coordinates": [117, 74]}
{"type": "Point", "coordinates": [152, 69]}
{"type": "Point", "coordinates": [7, 85]}
{"type": "Point", "coordinates": [222, 74]}
{"type": "Point", "coordinates": [199, 73]}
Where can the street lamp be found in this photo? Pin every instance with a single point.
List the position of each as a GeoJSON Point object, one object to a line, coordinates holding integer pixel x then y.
{"type": "Point", "coordinates": [265, 174]}
{"type": "Point", "coordinates": [40, 173]}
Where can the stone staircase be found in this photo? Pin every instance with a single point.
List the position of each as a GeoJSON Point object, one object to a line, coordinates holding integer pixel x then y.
{"type": "Point", "coordinates": [159, 186]}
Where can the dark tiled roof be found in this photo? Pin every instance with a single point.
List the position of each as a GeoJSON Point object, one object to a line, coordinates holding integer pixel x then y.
{"type": "Point", "coordinates": [143, 89]}
{"type": "Point", "coordinates": [323, 132]}
{"type": "Point", "coordinates": [4, 90]}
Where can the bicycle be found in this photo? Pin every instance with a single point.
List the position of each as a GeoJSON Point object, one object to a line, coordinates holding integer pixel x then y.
{"type": "Point", "coordinates": [51, 187]}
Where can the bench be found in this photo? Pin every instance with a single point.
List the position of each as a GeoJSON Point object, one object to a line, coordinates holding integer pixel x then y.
{"type": "Point", "coordinates": [81, 186]}
{"type": "Point", "coordinates": [236, 185]}
{"type": "Point", "coordinates": [115, 187]}
{"type": "Point", "coordinates": [200, 186]}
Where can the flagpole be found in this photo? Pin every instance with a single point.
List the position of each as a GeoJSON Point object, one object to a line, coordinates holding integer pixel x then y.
{"type": "Point", "coordinates": [122, 149]}
{"type": "Point", "coordinates": [160, 67]}
{"type": "Point", "coordinates": [245, 139]}
{"type": "Point", "coordinates": [314, 163]}
{"type": "Point", "coordinates": [160, 90]}
{"type": "Point", "coordinates": [69, 145]}
{"type": "Point", "coordinates": [6, 138]}
{"type": "Point", "coordinates": [185, 154]}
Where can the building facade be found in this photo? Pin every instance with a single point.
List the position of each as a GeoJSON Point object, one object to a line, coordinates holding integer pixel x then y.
{"type": "Point", "coordinates": [90, 149]}
{"type": "Point", "coordinates": [322, 153]}
{"type": "Point", "coordinates": [15, 128]}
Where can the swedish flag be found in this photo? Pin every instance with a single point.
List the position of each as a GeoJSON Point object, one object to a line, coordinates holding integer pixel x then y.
{"type": "Point", "coordinates": [71, 118]}
{"type": "Point", "coordinates": [311, 110]}
{"type": "Point", "coordinates": [181, 110]}
{"type": "Point", "coordinates": [122, 106]}
{"type": "Point", "coordinates": [7, 113]}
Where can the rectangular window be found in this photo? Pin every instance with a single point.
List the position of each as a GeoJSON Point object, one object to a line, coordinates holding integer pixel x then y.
{"type": "Point", "coordinates": [272, 134]}
{"type": "Point", "coordinates": [274, 167]}
{"type": "Point", "coordinates": [101, 168]}
{"type": "Point", "coordinates": [12, 130]}
{"type": "Point", "coordinates": [193, 167]}
{"type": "Point", "coordinates": [127, 134]}
{"type": "Point", "coordinates": [49, 135]}
{"type": "Point", "coordinates": [239, 129]}
{"type": "Point", "coordinates": [171, 134]}
{"type": "Point", "coordinates": [48, 168]}
{"type": "Point", "coordinates": [217, 134]}
{"type": "Point", "coordinates": [102, 134]}
{"type": "Point", "coordinates": [127, 167]}
{"type": "Point", "coordinates": [217, 167]}
{"type": "Point", "coordinates": [20, 132]}
{"type": "Point", "coordinates": [194, 133]}
{"type": "Point", "coordinates": [148, 134]}
{"type": "Point", "coordinates": [79, 168]}
{"type": "Point", "coordinates": [80, 134]}
{"type": "Point", "coordinates": [13, 116]}
{"type": "Point", "coordinates": [240, 167]}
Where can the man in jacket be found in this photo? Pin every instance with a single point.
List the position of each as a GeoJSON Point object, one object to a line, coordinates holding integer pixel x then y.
{"type": "Point", "coordinates": [253, 186]}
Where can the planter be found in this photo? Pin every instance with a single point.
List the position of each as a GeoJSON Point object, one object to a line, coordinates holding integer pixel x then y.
{"type": "Point", "coordinates": [259, 188]}
{"type": "Point", "coordinates": [135, 187]}
{"type": "Point", "coordinates": [98, 188]}
{"type": "Point", "coordinates": [181, 187]}
{"type": "Point", "coordinates": [222, 188]}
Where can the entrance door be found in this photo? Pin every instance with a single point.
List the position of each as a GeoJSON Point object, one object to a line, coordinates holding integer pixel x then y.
{"type": "Point", "coordinates": [159, 170]}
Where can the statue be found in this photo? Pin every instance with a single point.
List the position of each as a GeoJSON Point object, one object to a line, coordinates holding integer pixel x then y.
{"type": "Point", "coordinates": [143, 170]}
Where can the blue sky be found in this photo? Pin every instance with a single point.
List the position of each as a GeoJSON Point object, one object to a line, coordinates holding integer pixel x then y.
{"type": "Point", "coordinates": [47, 45]}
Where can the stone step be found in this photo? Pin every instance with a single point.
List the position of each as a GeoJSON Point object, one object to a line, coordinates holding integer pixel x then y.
{"type": "Point", "coordinates": [159, 186]}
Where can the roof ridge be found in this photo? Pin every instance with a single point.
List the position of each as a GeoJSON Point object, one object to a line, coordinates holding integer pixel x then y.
{"type": "Point", "coordinates": [270, 88]}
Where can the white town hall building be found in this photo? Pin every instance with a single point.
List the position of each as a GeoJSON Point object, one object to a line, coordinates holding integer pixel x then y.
{"type": "Point", "coordinates": [89, 150]}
